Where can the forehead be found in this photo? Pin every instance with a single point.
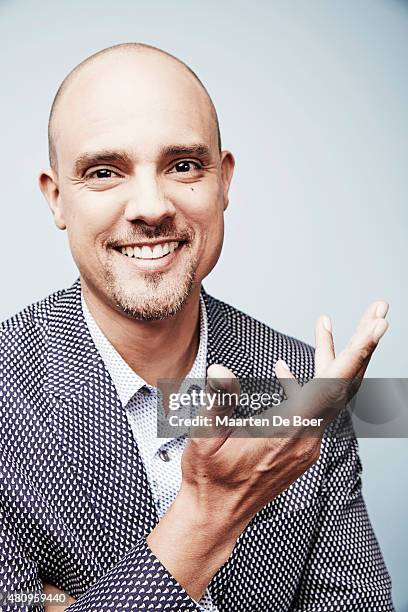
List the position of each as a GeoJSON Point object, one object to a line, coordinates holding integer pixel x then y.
{"type": "Point", "coordinates": [135, 103]}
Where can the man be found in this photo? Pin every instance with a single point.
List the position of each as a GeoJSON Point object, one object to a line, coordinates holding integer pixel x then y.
{"type": "Point", "coordinates": [91, 502]}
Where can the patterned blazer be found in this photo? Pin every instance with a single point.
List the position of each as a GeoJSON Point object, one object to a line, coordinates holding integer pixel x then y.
{"type": "Point", "coordinates": [75, 504]}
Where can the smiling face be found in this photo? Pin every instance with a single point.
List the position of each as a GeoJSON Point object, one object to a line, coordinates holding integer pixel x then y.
{"type": "Point", "coordinates": [140, 184]}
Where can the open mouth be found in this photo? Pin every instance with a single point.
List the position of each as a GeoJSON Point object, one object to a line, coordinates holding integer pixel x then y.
{"type": "Point", "coordinates": [156, 251]}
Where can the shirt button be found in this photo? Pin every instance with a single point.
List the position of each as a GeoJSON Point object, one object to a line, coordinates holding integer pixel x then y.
{"type": "Point", "coordinates": [164, 455]}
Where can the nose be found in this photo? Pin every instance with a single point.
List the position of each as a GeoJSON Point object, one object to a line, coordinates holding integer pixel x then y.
{"type": "Point", "coordinates": [146, 200]}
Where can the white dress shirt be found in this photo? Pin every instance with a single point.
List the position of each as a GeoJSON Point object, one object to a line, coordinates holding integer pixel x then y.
{"type": "Point", "coordinates": [161, 456]}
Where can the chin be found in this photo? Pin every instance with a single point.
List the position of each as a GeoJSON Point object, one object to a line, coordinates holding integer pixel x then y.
{"type": "Point", "coordinates": [154, 298]}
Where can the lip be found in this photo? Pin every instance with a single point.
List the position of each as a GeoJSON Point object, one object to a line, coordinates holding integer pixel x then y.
{"type": "Point", "coordinates": [156, 265]}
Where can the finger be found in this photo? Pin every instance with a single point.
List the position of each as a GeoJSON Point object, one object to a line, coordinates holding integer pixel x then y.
{"type": "Point", "coordinates": [362, 371]}
{"type": "Point", "coordinates": [376, 310]}
{"type": "Point", "coordinates": [221, 396]}
{"type": "Point", "coordinates": [220, 378]}
{"type": "Point", "coordinates": [369, 335]}
{"type": "Point", "coordinates": [356, 356]}
{"type": "Point", "coordinates": [356, 383]}
{"type": "Point", "coordinates": [286, 378]}
{"type": "Point", "coordinates": [375, 313]}
{"type": "Point", "coordinates": [324, 351]}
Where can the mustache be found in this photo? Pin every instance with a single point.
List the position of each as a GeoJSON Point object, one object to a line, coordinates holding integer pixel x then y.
{"type": "Point", "coordinates": [164, 230]}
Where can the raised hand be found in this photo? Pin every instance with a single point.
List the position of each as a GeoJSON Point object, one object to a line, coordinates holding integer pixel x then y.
{"type": "Point", "coordinates": [228, 478]}
{"type": "Point", "coordinates": [238, 475]}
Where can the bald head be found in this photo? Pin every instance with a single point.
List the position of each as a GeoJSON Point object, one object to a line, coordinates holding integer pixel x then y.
{"type": "Point", "coordinates": [105, 57]}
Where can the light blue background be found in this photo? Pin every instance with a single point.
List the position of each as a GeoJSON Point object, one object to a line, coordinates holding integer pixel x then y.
{"type": "Point", "coordinates": [312, 99]}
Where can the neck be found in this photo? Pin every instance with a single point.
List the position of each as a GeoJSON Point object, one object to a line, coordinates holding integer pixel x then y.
{"type": "Point", "coordinates": [153, 349]}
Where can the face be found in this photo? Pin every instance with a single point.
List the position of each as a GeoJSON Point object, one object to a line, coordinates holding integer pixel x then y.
{"type": "Point", "coordinates": [141, 186]}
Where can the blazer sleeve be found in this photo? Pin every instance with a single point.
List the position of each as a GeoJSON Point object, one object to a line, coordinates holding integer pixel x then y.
{"type": "Point", "coordinates": [137, 582]}
{"type": "Point", "coordinates": [345, 570]}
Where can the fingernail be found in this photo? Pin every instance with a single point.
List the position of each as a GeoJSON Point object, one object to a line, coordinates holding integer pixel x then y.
{"type": "Point", "coordinates": [327, 323]}
{"type": "Point", "coordinates": [283, 364]}
{"type": "Point", "coordinates": [379, 330]}
{"type": "Point", "coordinates": [382, 309]}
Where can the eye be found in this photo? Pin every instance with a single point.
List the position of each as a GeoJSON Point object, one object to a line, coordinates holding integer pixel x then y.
{"type": "Point", "coordinates": [186, 166]}
{"type": "Point", "coordinates": [101, 173]}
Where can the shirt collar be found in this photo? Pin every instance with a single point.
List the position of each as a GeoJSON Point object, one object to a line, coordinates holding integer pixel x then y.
{"type": "Point", "coordinates": [126, 381]}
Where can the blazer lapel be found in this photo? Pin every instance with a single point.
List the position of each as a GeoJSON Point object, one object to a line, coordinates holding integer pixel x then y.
{"type": "Point", "coordinates": [92, 427]}
{"type": "Point", "coordinates": [223, 346]}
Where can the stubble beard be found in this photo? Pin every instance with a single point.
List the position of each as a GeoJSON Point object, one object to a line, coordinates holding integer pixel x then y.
{"type": "Point", "coordinates": [161, 296]}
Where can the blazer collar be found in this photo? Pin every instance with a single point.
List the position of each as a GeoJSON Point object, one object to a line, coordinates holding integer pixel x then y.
{"type": "Point", "coordinates": [73, 360]}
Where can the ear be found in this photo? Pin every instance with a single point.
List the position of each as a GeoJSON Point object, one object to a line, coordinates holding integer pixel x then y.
{"type": "Point", "coordinates": [227, 170]}
{"type": "Point", "coordinates": [48, 183]}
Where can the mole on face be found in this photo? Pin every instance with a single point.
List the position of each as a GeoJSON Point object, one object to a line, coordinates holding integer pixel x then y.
{"type": "Point", "coordinates": [192, 188]}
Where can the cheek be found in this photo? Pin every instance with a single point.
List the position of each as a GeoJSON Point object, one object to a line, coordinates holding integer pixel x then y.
{"type": "Point", "coordinates": [202, 207]}
{"type": "Point", "coordinates": [89, 217]}
{"type": "Point", "coordinates": [200, 203]}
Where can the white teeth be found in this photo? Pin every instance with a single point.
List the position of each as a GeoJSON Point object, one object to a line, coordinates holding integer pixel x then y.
{"type": "Point", "coordinates": [146, 252]}
{"type": "Point", "coordinates": [157, 251]}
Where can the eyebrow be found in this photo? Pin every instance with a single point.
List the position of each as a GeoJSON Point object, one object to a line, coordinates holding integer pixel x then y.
{"type": "Point", "coordinates": [89, 159]}
{"type": "Point", "coordinates": [201, 150]}
{"type": "Point", "coordinates": [86, 160]}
